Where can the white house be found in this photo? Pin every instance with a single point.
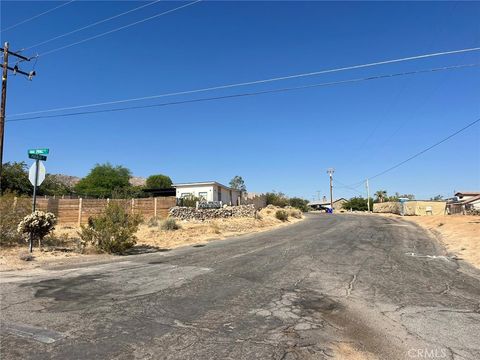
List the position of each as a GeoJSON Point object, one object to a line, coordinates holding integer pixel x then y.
{"type": "Point", "coordinates": [209, 191]}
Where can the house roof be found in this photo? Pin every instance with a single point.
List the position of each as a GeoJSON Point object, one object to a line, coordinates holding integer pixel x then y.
{"type": "Point", "coordinates": [467, 193]}
{"type": "Point", "coordinates": [470, 200]}
{"type": "Point", "coordinates": [203, 183]}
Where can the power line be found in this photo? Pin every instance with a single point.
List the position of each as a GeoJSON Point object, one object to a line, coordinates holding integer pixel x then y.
{"type": "Point", "coordinates": [119, 28]}
{"type": "Point", "coordinates": [278, 90]}
{"type": "Point", "coordinates": [37, 16]}
{"type": "Point", "coordinates": [425, 150]}
{"type": "Point", "coordinates": [255, 82]}
{"type": "Point", "coordinates": [92, 25]}
{"type": "Point", "coordinates": [345, 186]}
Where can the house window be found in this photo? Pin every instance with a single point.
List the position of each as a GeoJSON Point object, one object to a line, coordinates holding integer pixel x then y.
{"type": "Point", "coordinates": [219, 193]}
{"type": "Point", "coordinates": [202, 195]}
{"type": "Point", "coordinates": [184, 195]}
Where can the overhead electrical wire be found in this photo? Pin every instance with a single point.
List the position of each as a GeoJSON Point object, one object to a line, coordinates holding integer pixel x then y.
{"type": "Point", "coordinates": [255, 82]}
{"type": "Point", "coordinates": [37, 16]}
{"type": "Point", "coordinates": [119, 28]}
{"type": "Point", "coordinates": [424, 150]}
{"type": "Point", "coordinates": [342, 185]}
{"type": "Point", "coordinates": [278, 90]}
{"type": "Point", "coordinates": [92, 25]}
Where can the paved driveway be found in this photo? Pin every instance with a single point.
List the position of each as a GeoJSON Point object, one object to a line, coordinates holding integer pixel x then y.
{"type": "Point", "coordinates": [381, 286]}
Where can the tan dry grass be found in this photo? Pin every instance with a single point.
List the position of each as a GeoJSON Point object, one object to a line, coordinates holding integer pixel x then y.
{"type": "Point", "coordinates": [200, 232]}
{"type": "Point", "coordinates": [191, 233]}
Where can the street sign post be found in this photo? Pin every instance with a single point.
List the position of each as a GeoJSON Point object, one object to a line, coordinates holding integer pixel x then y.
{"type": "Point", "coordinates": [36, 175]}
{"type": "Point", "coordinates": [38, 151]}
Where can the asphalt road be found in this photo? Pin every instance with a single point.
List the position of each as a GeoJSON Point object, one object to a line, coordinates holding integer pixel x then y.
{"type": "Point", "coordinates": [379, 285]}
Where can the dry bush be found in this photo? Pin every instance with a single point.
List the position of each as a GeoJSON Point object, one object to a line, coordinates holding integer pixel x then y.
{"type": "Point", "coordinates": [169, 224]}
{"type": "Point", "coordinates": [293, 212]}
{"type": "Point", "coordinates": [12, 211]}
{"type": "Point", "coordinates": [153, 222]}
{"type": "Point", "coordinates": [281, 215]}
{"type": "Point", "coordinates": [215, 228]}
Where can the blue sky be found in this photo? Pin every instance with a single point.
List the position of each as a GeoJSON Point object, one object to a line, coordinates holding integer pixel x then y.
{"type": "Point", "coordinates": [282, 142]}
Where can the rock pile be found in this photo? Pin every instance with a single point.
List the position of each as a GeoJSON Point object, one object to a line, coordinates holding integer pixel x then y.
{"type": "Point", "coordinates": [189, 213]}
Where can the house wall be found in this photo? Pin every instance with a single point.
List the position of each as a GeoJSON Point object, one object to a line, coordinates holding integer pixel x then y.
{"type": "Point", "coordinates": [226, 198]}
{"type": "Point", "coordinates": [411, 207]}
{"type": "Point", "coordinates": [196, 190]}
{"type": "Point", "coordinates": [212, 193]}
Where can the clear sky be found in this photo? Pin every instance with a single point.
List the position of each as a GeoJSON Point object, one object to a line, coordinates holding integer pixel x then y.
{"type": "Point", "coordinates": [282, 142]}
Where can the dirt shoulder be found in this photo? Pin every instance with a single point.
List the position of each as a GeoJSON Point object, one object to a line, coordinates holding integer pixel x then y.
{"type": "Point", "coordinates": [459, 233]}
{"type": "Point", "coordinates": [150, 238]}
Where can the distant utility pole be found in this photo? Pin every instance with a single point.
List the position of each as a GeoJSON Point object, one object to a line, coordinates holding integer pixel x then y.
{"type": "Point", "coordinates": [15, 70]}
{"type": "Point", "coordinates": [318, 195]}
{"type": "Point", "coordinates": [330, 172]}
{"type": "Point", "coordinates": [368, 194]}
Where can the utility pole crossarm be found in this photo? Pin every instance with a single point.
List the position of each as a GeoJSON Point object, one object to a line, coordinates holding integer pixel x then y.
{"type": "Point", "coordinates": [15, 70]}
{"type": "Point", "coordinates": [15, 54]}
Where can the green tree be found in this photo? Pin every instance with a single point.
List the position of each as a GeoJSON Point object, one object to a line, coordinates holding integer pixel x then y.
{"type": "Point", "coordinates": [358, 204]}
{"type": "Point", "coordinates": [15, 178]}
{"type": "Point", "coordinates": [103, 180]}
{"type": "Point", "coordinates": [276, 198]}
{"type": "Point", "coordinates": [298, 203]}
{"type": "Point", "coordinates": [381, 195]}
{"type": "Point", "coordinates": [237, 183]}
{"type": "Point", "coordinates": [159, 182]}
{"type": "Point", "coordinates": [437, 198]}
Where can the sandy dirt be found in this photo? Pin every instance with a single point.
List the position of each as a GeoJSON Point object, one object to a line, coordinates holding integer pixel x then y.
{"type": "Point", "coordinates": [347, 351]}
{"type": "Point", "coordinates": [190, 233]}
{"type": "Point", "coordinates": [459, 233]}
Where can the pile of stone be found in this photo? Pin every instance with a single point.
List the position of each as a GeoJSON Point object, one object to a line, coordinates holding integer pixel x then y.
{"type": "Point", "coordinates": [189, 213]}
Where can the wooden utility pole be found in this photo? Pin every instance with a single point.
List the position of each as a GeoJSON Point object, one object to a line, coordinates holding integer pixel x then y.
{"type": "Point", "coordinates": [2, 110]}
{"type": "Point", "coordinates": [368, 195]}
{"type": "Point", "coordinates": [15, 70]}
{"type": "Point", "coordinates": [330, 172]}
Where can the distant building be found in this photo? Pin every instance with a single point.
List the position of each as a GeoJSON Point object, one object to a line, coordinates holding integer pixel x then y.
{"type": "Point", "coordinates": [464, 202]}
{"type": "Point", "coordinates": [322, 205]}
{"type": "Point", "coordinates": [209, 191]}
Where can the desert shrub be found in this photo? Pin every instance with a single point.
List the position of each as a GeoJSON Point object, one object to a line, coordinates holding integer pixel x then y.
{"type": "Point", "coordinates": [294, 212]}
{"type": "Point", "coordinates": [281, 215]}
{"type": "Point", "coordinates": [153, 222]}
{"type": "Point", "coordinates": [12, 211]}
{"type": "Point", "coordinates": [169, 224]}
{"type": "Point", "coordinates": [113, 231]}
{"type": "Point", "coordinates": [298, 203]}
{"type": "Point", "coordinates": [215, 228]}
{"type": "Point", "coordinates": [189, 201]}
{"type": "Point", "coordinates": [37, 224]}
{"type": "Point", "coordinates": [277, 199]}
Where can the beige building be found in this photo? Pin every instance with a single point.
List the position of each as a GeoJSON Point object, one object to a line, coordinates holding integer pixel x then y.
{"type": "Point", "coordinates": [209, 191]}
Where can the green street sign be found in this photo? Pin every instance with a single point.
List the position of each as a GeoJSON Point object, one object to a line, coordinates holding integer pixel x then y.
{"type": "Point", "coordinates": [37, 157]}
{"type": "Point", "coordinates": [38, 151]}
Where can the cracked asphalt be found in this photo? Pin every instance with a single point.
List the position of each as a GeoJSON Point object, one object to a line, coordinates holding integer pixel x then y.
{"type": "Point", "coordinates": [383, 286]}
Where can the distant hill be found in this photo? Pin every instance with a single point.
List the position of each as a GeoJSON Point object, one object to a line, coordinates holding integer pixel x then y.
{"type": "Point", "coordinates": [137, 181]}
{"type": "Point", "coordinates": [68, 180]}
